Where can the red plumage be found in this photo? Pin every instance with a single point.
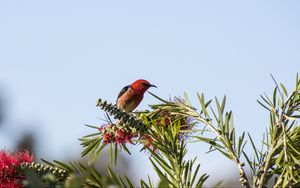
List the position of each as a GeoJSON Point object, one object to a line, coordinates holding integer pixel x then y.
{"type": "Point", "coordinates": [132, 95]}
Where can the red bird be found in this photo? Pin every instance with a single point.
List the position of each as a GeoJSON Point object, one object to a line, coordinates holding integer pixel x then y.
{"type": "Point", "coordinates": [132, 95]}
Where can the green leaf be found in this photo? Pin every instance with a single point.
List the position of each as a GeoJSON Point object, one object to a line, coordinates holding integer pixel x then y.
{"type": "Point", "coordinates": [94, 144]}
{"type": "Point", "coordinates": [187, 100]}
{"type": "Point", "coordinates": [98, 152]}
{"type": "Point", "coordinates": [144, 184]}
{"type": "Point", "coordinates": [116, 154]}
{"type": "Point", "coordinates": [214, 114]}
{"type": "Point", "coordinates": [275, 96]}
{"type": "Point", "coordinates": [90, 135]}
{"type": "Point", "coordinates": [97, 176]}
{"type": "Point", "coordinates": [195, 174]}
{"type": "Point", "coordinates": [186, 171]}
{"type": "Point", "coordinates": [223, 103]}
{"type": "Point", "coordinates": [240, 144]}
{"type": "Point", "coordinates": [160, 173]}
{"type": "Point", "coordinates": [253, 146]}
{"type": "Point", "coordinates": [164, 165]}
{"type": "Point", "coordinates": [91, 126]}
{"type": "Point", "coordinates": [249, 162]}
{"type": "Point", "coordinates": [150, 182]}
{"type": "Point", "coordinates": [64, 166]}
{"type": "Point", "coordinates": [113, 176]}
{"type": "Point", "coordinates": [208, 140]}
{"type": "Point", "coordinates": [121, 181]}
{"type": "Point", "coordinates": [225, 153]}
{"type": "Point", "coordinates": [126, 149]}
{"type": "Point", "coordinates": [263, 105]}
{"type": "Point", "coordinates": [203, 105]}
{"type": "Point", "coordinates": [110, 153]}
{"type": "Point", "coordinates": [201, 180]}
{"type": "Point", "coordinates": [279, 158]}
{"type": "Point", "coordinates": [48, 162]}
{"type": "Point", "coordinates": [295, 116]}
{"type": "Point", "coordinates": [207, 103]}
{"type": "Point", "coordinates": [266, 100]}
{"type": "Point", "coordinates": [162, 100]}
{"type": "Point", "coordinates": [284, 89]}
{"type": "Point", "coordinates": [33, 179]}
{"type": "Point", "coordinates": [276, 85]}
{"type": "Point", "coordinates": [129, 182]}
{"type": "Point", "coordinates": [163, 183]}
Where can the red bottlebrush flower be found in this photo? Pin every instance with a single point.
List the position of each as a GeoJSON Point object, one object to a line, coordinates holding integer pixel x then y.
{"type": "Point", "coordinates": [106, 138]}
{"type": "Point", "coordinates": [149, 143]}
{"type": "Point", "coordinates": [10, 175]}
{"type": "Point", "coordinates": [164, 119]}
{"type": "Point", "coordinates": [128, 138]}
{"type": "Point", "coordinates": [121, 135]}
{"type": "Point", "coordinates": [24, 156]}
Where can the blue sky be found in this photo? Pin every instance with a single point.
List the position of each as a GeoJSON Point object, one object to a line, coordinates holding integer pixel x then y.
{"type": "Point", "coordinates": [58, 57]}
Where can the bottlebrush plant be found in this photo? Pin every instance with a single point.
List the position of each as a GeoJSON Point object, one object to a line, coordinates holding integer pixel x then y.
{"type": "Point", "coordinates": [10, 165]}
{"type": "Point", "coordinates": [164, 132]}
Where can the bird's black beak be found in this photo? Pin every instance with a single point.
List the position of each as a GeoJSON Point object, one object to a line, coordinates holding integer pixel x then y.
{"type": "Point", "coordinates": [152, 85]}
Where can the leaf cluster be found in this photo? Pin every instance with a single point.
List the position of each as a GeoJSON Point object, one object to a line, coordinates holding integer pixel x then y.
{"type": "Point", "coordinates": [279, 156]}
{"type": "Point", "coordinates": [165, 130]}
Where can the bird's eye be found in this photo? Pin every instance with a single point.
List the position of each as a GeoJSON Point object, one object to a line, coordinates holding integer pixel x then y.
{"type": "Point", "coordinates": [146, 84]}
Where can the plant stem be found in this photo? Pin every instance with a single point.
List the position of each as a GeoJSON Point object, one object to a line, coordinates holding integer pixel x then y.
{"type": "Point", "coordinates": [262, 179]}
{"type": "Point", "coordinates": [243, 177]}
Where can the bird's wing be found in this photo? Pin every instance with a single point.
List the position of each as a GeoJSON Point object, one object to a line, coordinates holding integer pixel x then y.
{"type": "Point", "coordinates": [123, 91]}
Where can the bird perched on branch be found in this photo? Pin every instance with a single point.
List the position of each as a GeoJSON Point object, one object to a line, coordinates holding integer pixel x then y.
{"type": "Point", "coordinates": [131, 96]}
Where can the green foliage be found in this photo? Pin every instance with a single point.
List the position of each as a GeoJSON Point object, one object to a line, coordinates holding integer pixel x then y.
{"type": "Point", "coordinates": [168, 146]}
{"type": "Point", "coordinates": [219, 122]}
{"type": "Point", "coordinates": [280, 155]}
{"type": "Point", "coordinates": [164, 132]}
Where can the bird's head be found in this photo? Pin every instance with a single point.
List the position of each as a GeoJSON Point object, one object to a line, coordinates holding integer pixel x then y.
{"type": "Point", "coordinates": [141, 85]}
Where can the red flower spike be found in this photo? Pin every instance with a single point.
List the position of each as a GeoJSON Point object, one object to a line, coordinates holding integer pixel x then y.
{"type": "Point", "coordinates": [120, 133]}
{"type": "Point", "coordinates": [10, 176]}
{"type": "Point", "coordinates": [115, 134]}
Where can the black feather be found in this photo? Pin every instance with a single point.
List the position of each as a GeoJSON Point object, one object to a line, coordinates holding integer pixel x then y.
{"type": "Point", "coordinates": [123, 91]}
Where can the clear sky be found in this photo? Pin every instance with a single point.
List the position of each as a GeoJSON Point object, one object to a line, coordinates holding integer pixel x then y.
{"type": "Point", "coordinates": [58, 57]}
